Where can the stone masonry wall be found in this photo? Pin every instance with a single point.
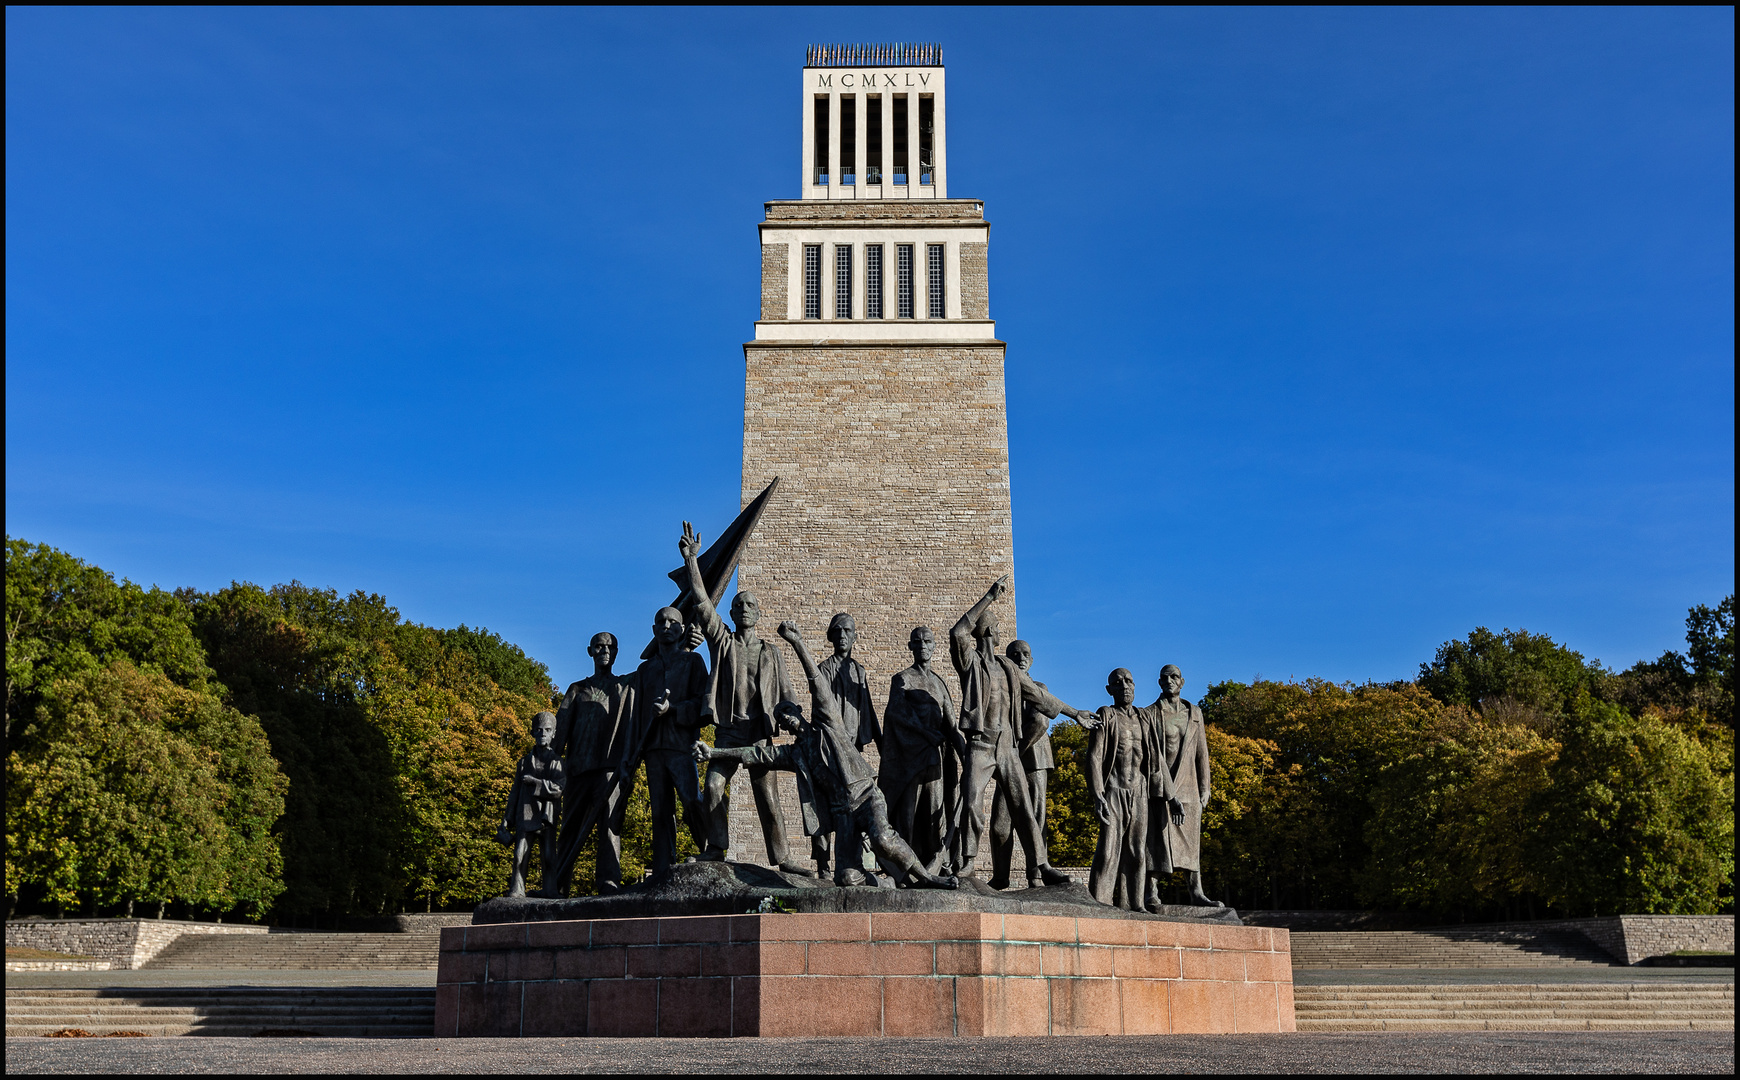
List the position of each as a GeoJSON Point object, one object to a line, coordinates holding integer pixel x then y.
{"type": "Point", "coordinates": [124, 943]}
{"type": "Point", "coordinates": [1632, 939]}
{"type": "Point", "coordinates": [775, 273]}
{"type": "Point", "coordinates": [894, 493]}
{"type": "Point", "coordinates": [975, 281]}
{"type": "Point", "coordinates": [893, 506]}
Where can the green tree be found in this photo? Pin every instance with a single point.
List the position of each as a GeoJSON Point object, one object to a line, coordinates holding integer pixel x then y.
{"type": "Point", "coordinates": [1454, 816]}
{"type": "Point", "coordinates": [135, 790]}
{"type": "Point", "coordinates": [1701, 679]}
{"type": "Point", "coordinates": [1072, 832]}
{"type": "Point", "coordinates": [304, 660]}
{"type": "Point", "coordinates": [65, 617]}
{"type": "Point", "coordinates": [1533, 677]}
{"type": "Point", "coordinates": [1330, 742]}
{"type": "Point", "coordinates": [455, 737]}
{"type": "Point", "coordinates": [1638, 817]}
{"type": "Point", "coordinates": [1251, 826]}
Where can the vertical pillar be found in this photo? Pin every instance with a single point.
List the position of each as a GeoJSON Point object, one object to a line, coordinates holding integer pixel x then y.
{"type": "Point", "coordinates": [913, 170]}
{"type": "Point", "coordinates": [835, 188]}
{"type": "Point", "coordinates": [939, 142]}
{"type": "Point", "coordinates": [888, 142]}
{"type": "Point", "coordinates": [808, 141]}
{"type": "Point", "coordinates": [861, 143]}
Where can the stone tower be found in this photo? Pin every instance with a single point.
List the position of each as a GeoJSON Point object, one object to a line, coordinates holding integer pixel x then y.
{"type": "Point", "coordinates": [874, 384]}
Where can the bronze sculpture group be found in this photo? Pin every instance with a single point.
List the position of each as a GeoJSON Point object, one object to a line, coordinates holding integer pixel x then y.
{"type": "Point", "coordinates": [917, 821]}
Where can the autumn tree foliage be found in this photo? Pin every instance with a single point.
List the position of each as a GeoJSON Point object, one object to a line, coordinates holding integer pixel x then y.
{"type": "Point", "coordinates": [1512, 778]}
{"type": "Point", "coordinates": [297, 754]}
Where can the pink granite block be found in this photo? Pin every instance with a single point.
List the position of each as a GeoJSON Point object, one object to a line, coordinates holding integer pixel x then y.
{"type": "Point", "coordinates": [563, 934]}
{"type": "Point", "coordinates": [697, 929]}
{"type": "Point", "coordinates": [664, 961]}
{"type": "Point", "coordinates": [840, 958]}
{"type": "Point", "coordinates": [935, 926]}
{"type": "Point", "coordinates": [447, 1010]}
{"type": "Point", "coordinates": [610, 962]}
{"type": "Point", "coordinates": [1255, 1007]}
{"type": "Point", "coordinates": [695, 1008]}
{"type": "Point", "coordinates": [1085, 1007]}
{"type": "Point", "coordinates": [627, 1008]}
{"type": "Point", "coordinates": [461, 967]}
{"type": "Point", "coordinates": [1039, 928]}
{"type": "Point", "coordinates": [1240, 938]}
{"type": "Point", "coordinates": [1002, 1007]}
{"type": "Point", "coordinates": [1202, 1008]}
{"type": "Point", "coordinates": [625, 932]}
{"type": "Point", "coordinates": [1112, 931]}
{"type": "Point", "coordinates": [554, 1009]}
{"type": "Point", "coordinates": [489, 1010]}
{"type": "Point", "coordinates": [733, 959]}
{"type": "Point", "coordinates": [1147, 1006]}
{"type": "Point", "coordinates": [921, 1007]}
{"type": "Point", "coordinates": [820, 1006]}
{"type": "Point", "coordinates": [495, 936]}
{"type": "Point", "coordinates": [821, 927]}
{"type": "Point", "coordinates": [524, 965]}
{"type": "Point", "coordinates": [1004, 958]}
{"type": "Point", "coordinates": [903, 958]}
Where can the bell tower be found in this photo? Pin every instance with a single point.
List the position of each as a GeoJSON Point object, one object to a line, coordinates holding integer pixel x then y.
{"type": "Point", "coordinates": [874, 381]}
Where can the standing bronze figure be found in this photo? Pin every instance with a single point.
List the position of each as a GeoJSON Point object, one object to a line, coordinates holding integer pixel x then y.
{"type": "Point", "coordinates": [851, 690]}
{"type": "Point", "coordinates": [535, 807]}
{"type": "Point", "coordinates": [1033, 742]}
{"type": "Point", "coordinates": [918, 722]}
{"type": "Point", "coordinates": [592, 729]}
{"type": "Point", "coordinates": [993, 690]}
{"type": "Point", "coordinates": [1117, 776]}
{"type": "Point", "coordinates": [1179, 789]}
{"type": "Point", "coordinates": [748, 684]}
{"type": "Point", "coordinates": [670, 707]}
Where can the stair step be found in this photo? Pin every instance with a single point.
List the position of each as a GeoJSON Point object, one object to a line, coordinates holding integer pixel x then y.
{"type": "Point", "coordinates": [352, 1012]}
{"type": "Point", "coordinates": [1500, 1007]}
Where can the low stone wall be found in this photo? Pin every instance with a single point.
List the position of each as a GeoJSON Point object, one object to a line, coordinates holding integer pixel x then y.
{"type": "Point", "coordinates": [1636, 939]}
{"type": "Point", "coordinates": [894, 974]}
{"type": "Point", "coordinates": [120, 944]}
{"type": "Point", "coordinates": [409, 923]}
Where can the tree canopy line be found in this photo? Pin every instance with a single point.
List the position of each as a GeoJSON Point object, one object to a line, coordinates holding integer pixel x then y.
{"type": "Point", "coordinates": [294, 755]}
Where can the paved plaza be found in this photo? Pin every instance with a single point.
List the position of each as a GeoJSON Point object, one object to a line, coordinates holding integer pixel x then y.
{"type": "Point", "coordinates": [1521, 1052]}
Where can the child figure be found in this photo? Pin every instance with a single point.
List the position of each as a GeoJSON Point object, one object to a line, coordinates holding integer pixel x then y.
{"type": "Point", "coordinates": [535, 807]}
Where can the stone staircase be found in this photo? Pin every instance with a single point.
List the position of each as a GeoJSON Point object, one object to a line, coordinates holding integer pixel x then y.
{"type": "Point", "coordinates": [1472, 947]}
{"type": "Point", "coordinates": [301, 951]}
{"type": "Point", "coordinates": [1515, 1007]}
{"type": "Point", "coordinates": [349, 1012]}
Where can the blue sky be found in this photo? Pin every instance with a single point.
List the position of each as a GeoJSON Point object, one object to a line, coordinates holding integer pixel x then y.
{"type": "Point", "coordinates": [1332, 333]}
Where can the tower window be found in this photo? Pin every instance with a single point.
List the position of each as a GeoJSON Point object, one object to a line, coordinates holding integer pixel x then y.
{"type": "Point", "coordinates": [812, 281]}
{"type": "Point", "coordinates": [934, 260]}
{"type": "Point", "coordinates": [848, 139]}
{"type": "Point", "coordinates": [903, 275]}
{"type": "Point", "coordinates": [873, 139]}
{"type": "Point", "coordinates": [927, 138]}
{"type": "Point", "coordinates": [873, 280]}
{"type": "Point", "coordinates": [821, 140]}
{"type": "Point", "coordinates": [900, 126]}
{"type": "Point", "coordinates": [842, 281]}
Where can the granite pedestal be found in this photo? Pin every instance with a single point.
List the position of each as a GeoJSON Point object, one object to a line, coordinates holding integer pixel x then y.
{"type": "Point", "coordinates": [862, 972]}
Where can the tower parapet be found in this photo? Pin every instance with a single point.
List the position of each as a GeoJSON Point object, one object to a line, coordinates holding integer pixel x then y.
{"type": "Point", "coordinates": [873, 122]}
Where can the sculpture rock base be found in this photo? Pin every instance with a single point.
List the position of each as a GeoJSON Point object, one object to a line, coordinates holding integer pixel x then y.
{"type": "Point", "coordinates": [729, 888]}
{"type": "Point", "coordinates": [841, 973]}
